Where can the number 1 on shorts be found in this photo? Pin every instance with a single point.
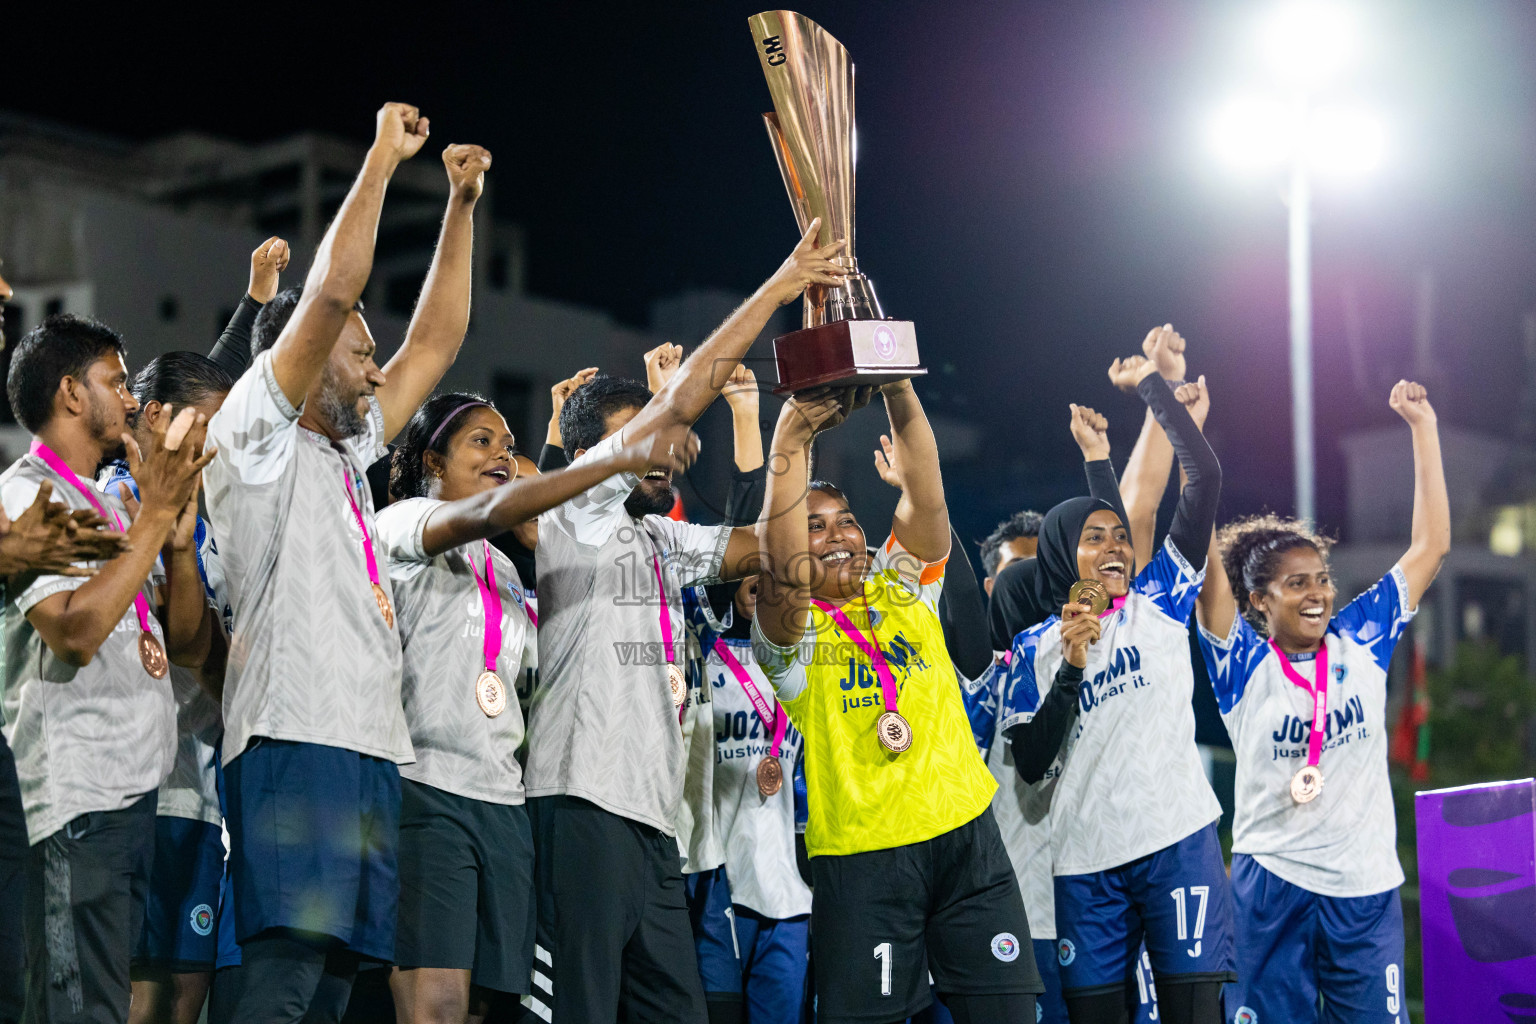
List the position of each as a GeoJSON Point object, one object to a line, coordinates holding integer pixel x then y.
{"type": "Point", "coordinates": [883, 954]}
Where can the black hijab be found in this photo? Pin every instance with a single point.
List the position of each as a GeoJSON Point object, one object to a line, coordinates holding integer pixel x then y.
{"type": "Point", "coordinates": [1056, 558]}
{"type": "Point", "coordinates": [1012, 608]}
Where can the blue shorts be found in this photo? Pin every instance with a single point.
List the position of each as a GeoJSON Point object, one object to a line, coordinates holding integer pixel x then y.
{"type": "Point", "coordinates": [183, 899]}
{"type": "Point", "coordinates": [1294, 945]}
{"type": "Point", "coordinates": [710, 913]}
{"type": "Point", "coordinates": [746, 956]}
{"type": "Point", "coordinates": [313, 832]}
{"type": "Point", "coordinates": [229, 949]}
{"type": "Point", "coordinates": [1175, 900]}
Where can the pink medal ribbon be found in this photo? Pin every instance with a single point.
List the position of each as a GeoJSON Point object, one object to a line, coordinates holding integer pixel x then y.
{"type": "Point", "coordinates": [1307, 783]}
{"type": "Point", "coordinates": [490, 693]}
{"type": "Point", "coordinates": [379, 597]}
{"type": "Point", "coordinates": [676, 684]}
{"type": "Point", "coordinates": [1115, 604]}
{"type": "Point", "coordinates": [770, 773]}
{"type": "Point", "coordinates": [772, 718]}
{"type": "Point", "coordinates": [150, 651]}
{"type": "Point", "coordinates": [893, 731]}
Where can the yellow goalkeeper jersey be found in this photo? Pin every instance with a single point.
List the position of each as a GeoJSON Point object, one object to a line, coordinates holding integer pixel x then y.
{"type": "Point", "coordinates": [859, 795]}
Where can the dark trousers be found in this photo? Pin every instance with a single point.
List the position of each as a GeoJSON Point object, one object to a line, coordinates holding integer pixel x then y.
{"type": "Point", "coordinates": [613, 919]}
{"type": "Point", "coordinates": [285, 979]}
{"type": "Point", "coordinates": [13, 886]}
{"type": "Point", "coordinates": [83, 911]}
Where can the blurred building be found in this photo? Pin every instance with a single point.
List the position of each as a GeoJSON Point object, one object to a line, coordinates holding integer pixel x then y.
{"type": "Point", "coordinates": [1486, 590]}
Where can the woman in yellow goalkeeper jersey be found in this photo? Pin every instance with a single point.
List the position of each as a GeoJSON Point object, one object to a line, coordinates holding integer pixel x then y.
{"type": "Point", "coordinates": [908, 868]}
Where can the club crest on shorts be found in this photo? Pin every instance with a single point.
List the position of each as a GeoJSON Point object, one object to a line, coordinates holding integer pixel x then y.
{"type": "Point", "coordinates": [202, 919]}
{"type": "Point", "coordinates": [1005, 947]}
{"type": "Point", "coordinates": [1065, 952]}
{"type": "Point", "coordinates": [1245, 1016]}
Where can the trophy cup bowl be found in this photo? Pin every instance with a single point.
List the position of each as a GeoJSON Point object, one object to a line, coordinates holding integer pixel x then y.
{"type": "Point", "coordinates": [846, 339]}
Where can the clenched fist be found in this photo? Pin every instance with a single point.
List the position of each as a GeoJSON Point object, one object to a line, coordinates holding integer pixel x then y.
{"type": "Point", "coordinates": [400, 131]}
{"type": "Point", "coordinates": [466, 170]}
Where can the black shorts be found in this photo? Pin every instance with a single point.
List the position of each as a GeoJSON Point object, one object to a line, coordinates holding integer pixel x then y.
{"type": "Point", "coordinates": [466, 887]}
{"type": "Point", "coordinates": [881, 921]}
{"type": "Point", "coordinates": [613, 920]}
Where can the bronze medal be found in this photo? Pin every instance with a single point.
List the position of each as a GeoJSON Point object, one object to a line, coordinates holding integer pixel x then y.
{"type": "Point", "coordinates": [677, 684]}
{"type": "Point", "coordinates": [894, 732]}
{"type": "Point", "coordinates": [384, 609]}
{"type": "Point", "coordinates": [1306, 784]}
{"type": "Point", "coordinates": [1090, 592]}
{"type": "Point", "coordinates": [490, 694]}
{"type": "Point", "coordinates": [770, 775]}
{"type": "Point", "coordinates": [152, 655]}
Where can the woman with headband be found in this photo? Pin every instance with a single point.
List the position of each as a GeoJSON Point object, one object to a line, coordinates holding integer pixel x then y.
{"type": "Point", "coordinates": [1303, 691]}
{"type": "Point", "coordinates": [466, 916]}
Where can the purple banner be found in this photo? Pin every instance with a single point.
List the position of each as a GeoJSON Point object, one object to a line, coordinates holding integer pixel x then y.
{"type": "Point", "coordinates": [1477, 901]}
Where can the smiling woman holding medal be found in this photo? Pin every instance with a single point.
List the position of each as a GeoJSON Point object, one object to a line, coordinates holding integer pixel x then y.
{"type": "Point", "coordinates": [909, 870]}
{"type": "Point", "coordinates": [1303, 692]}
{"type": "Point", "coordinates": [1107, 688]}
{"type": "Point", "coordinates": [466, 851]}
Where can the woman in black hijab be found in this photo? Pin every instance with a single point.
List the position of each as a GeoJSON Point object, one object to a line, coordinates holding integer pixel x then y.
{"type": "Point", "coordinates": [1133, 840]}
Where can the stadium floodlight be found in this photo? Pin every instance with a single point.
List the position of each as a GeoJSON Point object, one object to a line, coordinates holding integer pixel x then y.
{"type": "Point", "coordinates": [1308, 44]}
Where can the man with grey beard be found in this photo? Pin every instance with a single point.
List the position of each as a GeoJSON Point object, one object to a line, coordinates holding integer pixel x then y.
{"type": "Point", "coordinates": [313, 723]}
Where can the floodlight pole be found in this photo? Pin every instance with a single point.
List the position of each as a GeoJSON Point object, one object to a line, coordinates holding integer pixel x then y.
{"type": "Point", "coordinates": [1300, 264]}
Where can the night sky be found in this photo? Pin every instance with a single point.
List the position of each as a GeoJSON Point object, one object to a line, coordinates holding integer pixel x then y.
{"type": "Point", "coordinates": [1035, 188]}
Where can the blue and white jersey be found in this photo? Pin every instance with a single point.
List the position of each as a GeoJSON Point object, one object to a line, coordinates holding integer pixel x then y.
{"type": "Point", "coordinates": [190, 791]}
{"type": "Point", "coordinates": [1344, 843]}
{"type": "Point", "coordinates": [758, 831]}
{"type": "Point", "coordinates": [699, 840]}
{"type": "Point", "coordinates": [1132, 782]}
{"type": "Point", "coordinates": [1022, 810]}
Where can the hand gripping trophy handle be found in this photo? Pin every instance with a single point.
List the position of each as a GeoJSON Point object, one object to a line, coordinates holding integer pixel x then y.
{"type": "Point", "coordinates": [846, 339]}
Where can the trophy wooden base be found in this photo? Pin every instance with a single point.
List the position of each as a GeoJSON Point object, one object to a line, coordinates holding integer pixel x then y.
{"type": "Point", "coordinates": [846, 353]}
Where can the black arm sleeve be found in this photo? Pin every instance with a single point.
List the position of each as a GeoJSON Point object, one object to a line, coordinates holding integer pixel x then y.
{"type": "Point", "coordinates": [552, 456]}
{"type": "Point", "coordinates": [232, 352]}
{"type": "Point", "coordinates": [744, 501]}
{"type": "Point", "coordinates": [1104, 485]}
{"type": "Point", "coordinates": [1196, 512]}
{"type": "Point", "coordinates": [1037, 742]}
{"type": "Point", "coordinates": [963, 614]}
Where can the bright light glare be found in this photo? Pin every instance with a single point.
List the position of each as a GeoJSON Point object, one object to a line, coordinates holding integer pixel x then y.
{"type": "Point", "coordinates": [1346, 140]}
{"type": "Point", "coordinates": [1308, 41]}
{"type": "Point", "coordinates": [1254, 132]}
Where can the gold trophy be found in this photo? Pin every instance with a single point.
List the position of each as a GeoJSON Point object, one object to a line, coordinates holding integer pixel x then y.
{"type": "Point", "coordinates": [846, 339]}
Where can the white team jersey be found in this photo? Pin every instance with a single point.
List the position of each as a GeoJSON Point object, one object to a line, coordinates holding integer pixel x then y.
{"type": "Point", "coordinates": [1022, 810]}
{"type": "Point", "coordinates": [759, 831]}
{"type": "Point", "coordinates": [1132, 782]}
{"type": "Point", "coordinates": [1344, 843]}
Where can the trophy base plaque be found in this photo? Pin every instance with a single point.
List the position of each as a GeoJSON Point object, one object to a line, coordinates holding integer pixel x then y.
{"type": "Point", "coordinates": [846, 353]}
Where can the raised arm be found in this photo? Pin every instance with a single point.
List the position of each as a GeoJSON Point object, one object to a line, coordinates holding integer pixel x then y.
{"type": "Point", "coordinates": [232, 352]}
{"type": "Point", "coordinates": [498, 510]}
{"type": "Point", "coordinates": [1431, 539]}
{"type": "Point", "coordinates": [553, 454]}
{"type": "Point", "coordinates": [784, 584]}
{"type": "Point", "coordinates": [684, 397]}
{"type": "Point", "coordinates": [1195, 515]}
{"type": "Point", "coordinates": [442, 313]}
{"type": "Point", "coordinates": [745, 501]}
{"type": "Point", "coordinates": [345, 257]}
{"type": "Point", "coordinates": [1146, 472]}
{"type": "Point", "coordinates": [921, 522]}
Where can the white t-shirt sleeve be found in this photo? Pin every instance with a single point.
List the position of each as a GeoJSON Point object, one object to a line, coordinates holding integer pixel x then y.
{"type": "Point", "coordinates": [784, 667]}
{"type": "Point", "coordinates": [590, 518]}
{"type": "Point", "coordinates": [19, 493]}
{"type": "Point", "coordinates": [253, 430]}
{"type": "Point", "coordinates": [695, 552]}
{"type": "Point", "coordinates": [399, 529]}
{"type": "Point", "coordinates": [368, 447]}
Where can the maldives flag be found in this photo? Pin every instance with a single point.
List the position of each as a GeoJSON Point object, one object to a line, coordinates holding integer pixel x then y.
{"type": "Point", "coordinates": [1410, 739]}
